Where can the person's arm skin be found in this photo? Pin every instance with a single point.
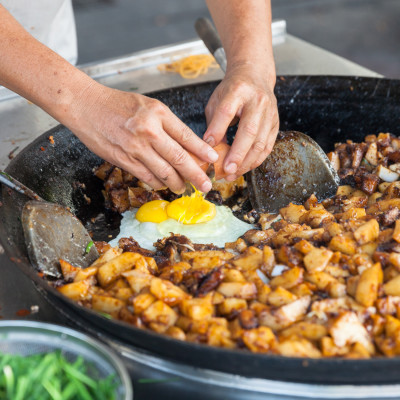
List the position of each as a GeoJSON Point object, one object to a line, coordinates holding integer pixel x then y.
{"type": "Point", "coordinates": [134, 132]}
{"type": "Point", "coordinates": [247, 89]}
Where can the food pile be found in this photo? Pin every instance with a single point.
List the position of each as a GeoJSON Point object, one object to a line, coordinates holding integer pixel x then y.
{"type": "Point", "coordinates": [315, 280]}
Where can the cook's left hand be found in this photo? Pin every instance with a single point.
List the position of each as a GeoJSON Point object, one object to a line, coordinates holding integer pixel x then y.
{"type": "Point", "coordinates": [245, 93]}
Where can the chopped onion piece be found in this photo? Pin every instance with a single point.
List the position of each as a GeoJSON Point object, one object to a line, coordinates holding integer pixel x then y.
{"type": "Point", "coordinates": [278, 269]}
{"type": "Point", "coordinates": [262, 276]}
{"type": "Point", "coordinates": [387, 175]}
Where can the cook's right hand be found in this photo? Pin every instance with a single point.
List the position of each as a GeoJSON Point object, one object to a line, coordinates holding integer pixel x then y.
{"type": "Point", "coordinates": [142, 136]}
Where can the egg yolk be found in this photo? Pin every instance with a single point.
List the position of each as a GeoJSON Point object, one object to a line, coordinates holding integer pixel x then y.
{"type": "Point", "coordinates": [187, 210]}
{"type": "Point", "coordinates": [153, 211]}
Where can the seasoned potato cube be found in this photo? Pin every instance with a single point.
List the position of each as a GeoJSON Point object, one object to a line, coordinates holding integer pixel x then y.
{"type": "Point", "coordinates": [167, 292]}
{"type": "Point", "coordinates": [367, 232]}
{"type": "Point", "coordinates": [292, 213]}
{"type": "Point", "coordinates": [344, 190]}
{"type": "Point", "coordinates": [68, 270]}
{"type": "Point", "coordinates": [352, 213]}
{"type": "Point", "coordinates": [233, 275]}
{"type": "Point", "coordinates": [124, 294]}
{"type": "Point", "coordinates": [143, 301]}
{"type": "Point", "coordinates": [280, 297]}
{"type": "Point", "coordinates": [315, 217]}
{"type": "Point", "coordinates": [394, 259]}
{"type": "Point", "coordinates": [396, 232]}
{"type": "Point", "coordinates": [367, 288]}
{"type": "Point", "coordinates": [111, 270]}
{"type": "Point", "coordinates": [259, 340]}
{"type": "Point", "coordinates": [252, 258]}
{"type": "Point", "coordinates": [343, 243]}
{"type": "Point", "coordinates": [268, 260]}
{"type": "Point", "coordinates": [329, 349]}
{"type": "Point", "coordinates": [107, 256]}
{"type": "Point", "coordinates": [159, 316]}
{"type": "Point", "coordinates": [372, 154]}
{"type": "Point", "coordinates": [198, 308]}
{"type": "Point", "coordinates": [317, 259]}
{"type": "Point", "coordinates": [301, 290]}
{"type": "Point", "coordinates": [320, 278]}
{"type": "Point", "coordinates": [286, 315]}
{"type": "Point", "coordinates": [176, 333]}
{"type": "Point", "coordinates": [303, 246]}
{"type": "Point", "coordinates": [232, 306]}
{"type": "Point", "coordinates": [138, 280]}
{"type": "Point", "coordinates": [383, 205]}
{"type": "Point", "coordinates": [304, 329]}
{"type": "Point", "coordinates": [374, 198]}
{"type": "Point", "coordinates": [218, 335]}
{"type": "Point", "coordinates": [347, 330]}
{"type": "Point", "coordinates": [298, 348]}
{"type": "Point", "coordinates": [239, 245]}
{"type": "Point", "coordinates": [334, 159]}
{"type": "Point", "coordinates": [106, 304]}
{"type": "Point", "coordinates": [288, 279]}
{"type": "Point", "coordinates": [351, 285]}
{"type": "Point", "coordinates": [207, 262]}
{"type": "Point", "coordinates": [262, 293]}
{"type": "Point", "coordinates": [85, 273]}
{"type": "Point", "coordinates": [392, 287]}
{"type": "Point", "coordinates": [241, 290]}
{"type": "Point", "coordinates": [221, 254]}
{"type": "Point", "coordinates": [76, 290]}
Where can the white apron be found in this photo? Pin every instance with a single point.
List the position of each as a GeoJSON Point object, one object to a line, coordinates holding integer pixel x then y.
{"type": "Point", "coordinates": [50, 21]}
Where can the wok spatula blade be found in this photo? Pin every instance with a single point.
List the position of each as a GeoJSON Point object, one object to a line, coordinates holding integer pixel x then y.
{"type": "Point", "coordinates": [53, 233]}
{"type": "Point", "coordinates": [296, 168]}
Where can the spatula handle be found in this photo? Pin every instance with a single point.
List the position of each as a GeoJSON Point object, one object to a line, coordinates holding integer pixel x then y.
{"type": "Point", "coordinates": [13, 184]}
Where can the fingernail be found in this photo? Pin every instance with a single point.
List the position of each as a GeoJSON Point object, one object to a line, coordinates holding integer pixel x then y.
{"type": "Point", "coordinates": [211, 141]}
{"type": "Point", "coordinates": [212, 156]}
{"type": "Point", "coordinates": [231, 168]}
{"type": "Point", "coordinates": [206, 187]}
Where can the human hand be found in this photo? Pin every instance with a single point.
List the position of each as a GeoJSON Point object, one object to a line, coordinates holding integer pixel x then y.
{"type": "Point", "coordinates": [247, 94]}
{"type": "Point", "coordinates": [142, 136]}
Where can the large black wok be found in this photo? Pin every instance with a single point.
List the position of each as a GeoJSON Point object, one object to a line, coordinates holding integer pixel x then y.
{"type": "Point", "coordinates": [330, 109]}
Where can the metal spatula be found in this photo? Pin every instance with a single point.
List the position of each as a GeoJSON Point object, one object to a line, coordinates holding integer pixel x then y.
{"type": "Point", "coordinates": [297, 166]}
{"type": "Point", "coordinates": [52, 232]}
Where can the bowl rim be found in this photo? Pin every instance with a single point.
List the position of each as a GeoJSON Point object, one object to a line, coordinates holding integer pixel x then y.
{"type": "Point", "coordinates": [65, 333]}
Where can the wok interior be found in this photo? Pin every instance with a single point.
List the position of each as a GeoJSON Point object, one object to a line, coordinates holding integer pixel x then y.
{"type": "Point", "coordinates": [329, 109]}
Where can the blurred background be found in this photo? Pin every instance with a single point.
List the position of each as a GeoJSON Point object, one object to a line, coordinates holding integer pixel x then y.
{"type": "Point", "coordinates": [364, 31]}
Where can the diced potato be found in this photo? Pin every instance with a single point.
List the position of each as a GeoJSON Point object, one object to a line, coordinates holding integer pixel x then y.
{"type": "Point", "coordinates": [315, 217]}
{"type": "Point", "coordinates": [198, 308]}
{"type": "Point", "coordinates": [68, 270]}
{"type": "Point", "coordinates": [368, 284]}
{"type": "Point", "coordinates": [392, 327]}
{"type": "Point", "coordinates": [304, 246]}
{"type": "Point", "coordinates": [239, 245]}
{"type": "Point", "coordinates": [286, 315]}
{"type": "Point", "coordinates": [334, 159]}
{"type": "Point", "coordinates": [317, 259]}
{"type": "Point", "coordinates": [396, 232]}
{"type": "Point", "coordinates": [219, 336]}
{"type": "Point", "coordinates": [320, 278]}
{"type": "Point", "coordinates": [288, 278]}
{"type": "Point", "coordinates": [138, 280]}
{"type": "Point", "coordinates": [142, 301]}
{"type": "Point", "coordinates": [241, 290]}
{"type": "Point", "coordinates": [304, 329]}
{"type": "Point", "coordinates": [268, 260]}
{"type": "Point", "coordinates": [232, 306]}
{"type": "Point", "coordinates": [124, 294]}
{"type": "Point", "coordinates": [367, 232]}
{"type": "Point", "coordinates": [252, 258]}
{"type": "Point", "coordinates": [301, 290]}
{"type": "Point", "coordinates": [85, 273]}
{"type": "Point", "coordinates": [263, 293]}
{"type": "Point", "coordinates": [374, 198]}
{"type": "Point", "coordinates": [351, 285]}
{"type": "Point", "coordinates": [233, 275]}
{"type": "Point", "coordinates": [111, 270]}
{"type": "Point", "coordinates": [221, 254]}
{"type": "Point", "coordinates": [394, 259]}
{"type": "Point", "coordinates": [292, 213]}
{"type": "Point", "coordinates": [298, 348]}
{"type": "Point", "coordinates": [159, 316]}
{"type": "Point", "coordinates": [77, 290]}
{"type": "Point", "coordinates": [392, 287]}
{"type": "Point", "coordinates": [329, 349]}
{"type": "Point", "coordinates": [207, 262]}
{"type": "Point", "coordinates": [383, 205]}
{"type": "Point", "coordinates": [372, 154]}
{"type": "Point", "coordinates": [106, 304]}
{"type": "Point", "coordinates": [353, 213]}
{"type": "Point", "coordinates": [107, 256]}
{"type": "Point", "coordinates": [343, 243]}
{"type": "Point", "coordinates": [167, 292]}
{"type": "Point", "coordinates": [259, 340]}
{"type": "Point", "coordinates": [347, 330]}
{"type": "Point", "coordinates": [280, 297]}
{"type": "Point", "coordinates": [176, 333]}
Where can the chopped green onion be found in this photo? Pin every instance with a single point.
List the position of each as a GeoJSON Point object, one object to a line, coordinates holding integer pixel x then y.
{"type": "Point", "coordinates": [88, 247]}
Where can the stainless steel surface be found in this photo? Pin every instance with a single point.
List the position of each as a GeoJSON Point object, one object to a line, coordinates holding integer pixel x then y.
{"type": "Point", "coordinates": [21, 122]}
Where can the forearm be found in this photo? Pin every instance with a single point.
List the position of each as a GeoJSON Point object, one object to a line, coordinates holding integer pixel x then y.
{"type": "Point", "coordinates": [245, 30]}
{"type": "Point", "coordinates": [37, 73]}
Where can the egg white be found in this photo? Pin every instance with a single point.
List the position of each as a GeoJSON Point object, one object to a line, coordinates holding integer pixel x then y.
{"type": "Point", "coordinates": [223, 228]}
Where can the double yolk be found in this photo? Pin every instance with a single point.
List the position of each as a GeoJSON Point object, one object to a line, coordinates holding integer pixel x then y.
{"type": "Point", "coordinates": [187, 210]}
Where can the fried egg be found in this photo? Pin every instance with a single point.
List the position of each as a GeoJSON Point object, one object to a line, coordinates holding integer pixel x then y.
{"type": "Point", "coordinates": [196, 218]}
